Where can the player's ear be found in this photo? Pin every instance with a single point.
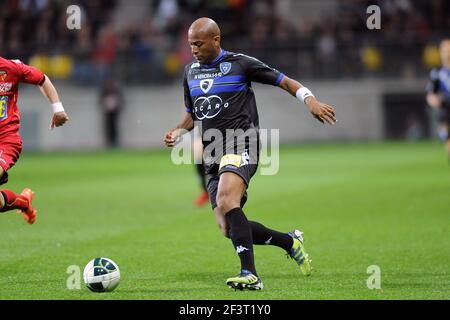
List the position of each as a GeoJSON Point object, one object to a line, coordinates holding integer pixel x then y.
{"type": "Point", "coordinates": [217, 40]}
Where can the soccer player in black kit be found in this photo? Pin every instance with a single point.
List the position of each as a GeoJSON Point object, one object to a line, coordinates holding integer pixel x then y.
{"type": "Point", "coordinates": [220, 100]}
{"type": "Point", "coordinates": [438, 93]}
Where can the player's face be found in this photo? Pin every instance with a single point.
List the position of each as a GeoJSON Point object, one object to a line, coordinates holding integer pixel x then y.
{"type": "Point", "coordinates": [204, 48]}
{"type": "Point", "coordinates": [445, 52]}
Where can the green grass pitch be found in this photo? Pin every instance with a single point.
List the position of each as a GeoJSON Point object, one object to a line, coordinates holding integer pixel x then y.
{"type": "Point", "coordinates": [384, 204]}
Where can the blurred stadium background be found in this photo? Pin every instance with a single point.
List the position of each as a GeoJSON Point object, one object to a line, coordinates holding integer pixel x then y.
{"type": "Point", "coordinates": [375, 78]}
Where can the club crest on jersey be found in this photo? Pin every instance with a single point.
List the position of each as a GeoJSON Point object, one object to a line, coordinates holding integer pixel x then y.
{"type": "Point", "coordinates": [206, 85]}
{"type": "Point", "coordinates": [225, 67]}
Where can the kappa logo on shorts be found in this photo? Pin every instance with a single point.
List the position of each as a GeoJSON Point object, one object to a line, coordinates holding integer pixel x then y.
{"type": "Point", "coordinates": [245, 157]}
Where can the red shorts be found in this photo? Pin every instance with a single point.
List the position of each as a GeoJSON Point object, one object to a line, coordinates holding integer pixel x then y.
{"type": "Point", "coordinates": [10, 148]}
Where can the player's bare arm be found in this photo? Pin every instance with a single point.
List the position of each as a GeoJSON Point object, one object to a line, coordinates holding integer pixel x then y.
{"type": "Point", "coordinates": [59, 115]}
{"type": "Point", "coordinates": [434, 100]}
{"type": "Point", "coordinates": [321, 111]}
{"type": "Point", "coordinates": [186, 124]}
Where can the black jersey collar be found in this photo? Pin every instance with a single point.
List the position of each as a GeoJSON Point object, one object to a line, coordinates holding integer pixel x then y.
{"type": "Point", "coordinates": [217, 60]}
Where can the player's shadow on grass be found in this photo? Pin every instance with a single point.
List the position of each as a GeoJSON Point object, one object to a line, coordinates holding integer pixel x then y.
{"type": "Point", "coordinates": [185, 283]}
{"type": "Point", "coordinates": [206, 277]}
{"type": "Point", "coordinates": [150, 292]}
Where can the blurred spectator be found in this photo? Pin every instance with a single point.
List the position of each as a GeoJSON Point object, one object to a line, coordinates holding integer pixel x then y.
{"type": "Point", "coordinates": [111, 104]}
{"type": "Point", "coordinates": [371, 58]}
{"type": "Point", "coordinates": [104, 52]}
{"type": "Point", "coordinates": [82, 54]}
{"type": "Point", "coordinates": [326, 52]}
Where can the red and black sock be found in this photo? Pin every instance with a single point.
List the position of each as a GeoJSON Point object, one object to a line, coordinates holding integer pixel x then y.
{"type": "Point", "coordinates": [241, 236]}
{"type": "Point", "coordinates": [262, 235]}
{"type": "Point", "coordinates": [13, 201]}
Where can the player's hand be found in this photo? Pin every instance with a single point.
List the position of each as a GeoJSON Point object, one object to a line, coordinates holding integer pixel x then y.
{"type": "Point", "coordinates": [171, 137]}
{"type": "Point", "coordinates": [321, 111]}
{"type": "Point", "coordinates": [58, 119]}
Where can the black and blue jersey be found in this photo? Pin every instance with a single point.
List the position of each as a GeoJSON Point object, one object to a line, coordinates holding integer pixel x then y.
{"type": "Point", "coordinates": [220, 94]}
{"type": "Point", "coordinates": [440, 83]}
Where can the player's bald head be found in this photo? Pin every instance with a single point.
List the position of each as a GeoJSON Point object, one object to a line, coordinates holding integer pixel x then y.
{"type": "Point", "coordinates": [204, 39]}
{"type": "Point", "coordinates": [205, 27]}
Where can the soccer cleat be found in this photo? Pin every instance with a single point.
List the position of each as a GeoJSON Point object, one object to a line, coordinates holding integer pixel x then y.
{"type": "Point", "coordinates": [245, 281]}
{"type": "Point", "coordinates": [202, 199]}
{"type": "Point", "coordinates": [29, 215]}
{"type": "Point", "coordinates": [298, 252]}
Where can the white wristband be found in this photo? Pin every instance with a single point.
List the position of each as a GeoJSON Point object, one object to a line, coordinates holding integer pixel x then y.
{"type": "Point", "coordinates": [303, 93]}
{"type": "Point", "coordinates": [57, 107]}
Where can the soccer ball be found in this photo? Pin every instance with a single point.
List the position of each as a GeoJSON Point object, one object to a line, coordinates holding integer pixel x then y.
{"type": "Point", "coordinates": [101, 275]}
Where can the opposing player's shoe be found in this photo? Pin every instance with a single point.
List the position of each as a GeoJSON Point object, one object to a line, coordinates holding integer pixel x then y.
{"type": "Point", "coordinates": [202, 199]}
{"type": "Point", "coordinates": [245, 281]}
{"type": "Point", "coordinates": [29, 215]}
{"type": "Point", "coordinates": [298, 252]}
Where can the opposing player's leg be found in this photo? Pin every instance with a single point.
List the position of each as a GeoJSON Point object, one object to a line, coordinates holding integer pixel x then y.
{"type": "Point", "coordinates": [9, 154]}
{"type": "Point", "coordinates": [22, 202]}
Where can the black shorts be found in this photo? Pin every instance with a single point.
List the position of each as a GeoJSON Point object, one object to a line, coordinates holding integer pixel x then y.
{"type": "Point", "coordinates": [242, 160]}
{"type": "Point", "coordinates": [246, 172]}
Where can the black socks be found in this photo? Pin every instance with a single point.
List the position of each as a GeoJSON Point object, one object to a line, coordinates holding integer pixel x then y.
{"type": "Point", "coordinates": [244, 234]}
{"type": "Point", "coordinates": [241, 236]}
{"type": "Point", "coordinates": [262, 235]}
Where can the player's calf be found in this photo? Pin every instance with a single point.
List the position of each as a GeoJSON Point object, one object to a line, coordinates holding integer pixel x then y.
{"type": "Point", "coordinates": [11, 201]}
{"type": "Point", "coordinates": [20, 202]}
{"type": "Point", "coordinates": [222, 223]}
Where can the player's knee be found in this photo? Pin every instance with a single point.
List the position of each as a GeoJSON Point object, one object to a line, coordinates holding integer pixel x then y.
{"type": "Point", "coordinates": [226, 201]}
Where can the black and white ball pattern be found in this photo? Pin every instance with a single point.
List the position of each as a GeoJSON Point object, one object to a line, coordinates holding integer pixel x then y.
{"type": "Point", "coordinates": [101, 275]}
